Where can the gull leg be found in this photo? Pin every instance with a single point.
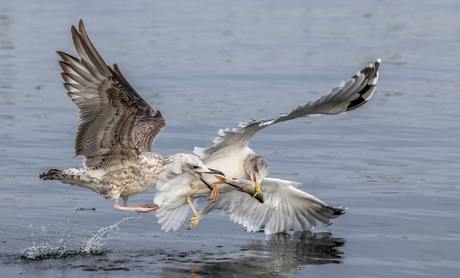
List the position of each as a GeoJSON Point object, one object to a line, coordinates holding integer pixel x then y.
{"type": "Point", "coordinates": [138, 210]}
{"type": "Point", "coordinates": [198, 186]}
{"type": "Point", "coordinates": [196, 218]}
{"type": "Point", "coordinates": [214, 192]}
{"type": "Point", "coordinates": [131, 208]}
{"type": "Point", "coordinates": [151, 206]}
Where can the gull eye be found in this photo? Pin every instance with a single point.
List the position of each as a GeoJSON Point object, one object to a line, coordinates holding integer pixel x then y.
{"type": "Point", "coordinates": [196, 167]}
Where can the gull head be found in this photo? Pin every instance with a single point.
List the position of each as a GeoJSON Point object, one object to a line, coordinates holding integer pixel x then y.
{"type": "Point", "coordinates": [195, 167]}
{"type": "Point", "coordinates": [257, 168]}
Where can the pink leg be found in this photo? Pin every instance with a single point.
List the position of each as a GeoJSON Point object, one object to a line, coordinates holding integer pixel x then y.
{"type": "Point", "coordinates": [137, 209]}
{"type": "Point", "coordinates": [148, 205]}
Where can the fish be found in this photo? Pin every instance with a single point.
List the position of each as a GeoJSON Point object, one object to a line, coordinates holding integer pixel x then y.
{"type": "Point", "coordinates": [244, 185]}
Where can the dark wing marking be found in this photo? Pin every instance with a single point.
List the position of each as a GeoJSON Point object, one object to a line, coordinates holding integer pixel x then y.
{"type": "Point", "coordinates": [149, 124]}
{"type": "Point", "coordinates": [109, 107]}
{"type": "Point", "coordinates": [343, 98]}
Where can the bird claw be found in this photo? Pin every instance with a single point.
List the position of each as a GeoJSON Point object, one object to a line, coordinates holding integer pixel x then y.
{"type": "Point", "coordinates": [194, 221]}
{"type": "Point", "coordinates": [145, 210]}
{"type": "Point", "coordinates": [148, 208]}
{"type": "Point", "coordinates": [151, 205]}
{"type": "Point", "coordinates": [214, 193]}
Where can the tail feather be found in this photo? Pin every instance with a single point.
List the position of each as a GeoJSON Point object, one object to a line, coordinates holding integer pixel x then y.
{"type": "Point", "coordinates": [72, 176]}
{"type": "Point", "coordinates": [51, 174]}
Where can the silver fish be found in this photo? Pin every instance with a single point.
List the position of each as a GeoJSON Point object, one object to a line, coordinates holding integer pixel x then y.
{"type": "Point", "coordinates": [244, 185]}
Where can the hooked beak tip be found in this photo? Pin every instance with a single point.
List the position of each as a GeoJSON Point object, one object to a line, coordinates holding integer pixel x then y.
{"type": "Point", "coordinates": [215, 172]}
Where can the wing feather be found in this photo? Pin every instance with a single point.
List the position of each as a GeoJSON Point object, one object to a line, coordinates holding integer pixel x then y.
{"type": "Point", "coordinates": [285, 208]}
{"type": "Point", "coordinates": [110, 109]}
{"type": "Point", "coordinates": [149, 124]}
{"type": "Point", "coordinates": [346, 97]}
{"type": "Point", "coordinates": [172, 218]}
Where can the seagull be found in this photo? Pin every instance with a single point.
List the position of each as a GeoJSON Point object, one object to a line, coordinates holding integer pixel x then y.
{"type": "Point", "coordinates": [285, 207]}
{"type": "Point", "coordinates": [116, 133]}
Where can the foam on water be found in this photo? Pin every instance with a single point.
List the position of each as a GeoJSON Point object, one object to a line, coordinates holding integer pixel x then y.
{"type": "Point", "coordinates": [96, 245]}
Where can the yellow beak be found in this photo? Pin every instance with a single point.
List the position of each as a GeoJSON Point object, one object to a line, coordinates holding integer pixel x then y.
{"type": "Point", "coordinates": [257, 189]}
{"type": "Point", "coordinates": [257, 185]}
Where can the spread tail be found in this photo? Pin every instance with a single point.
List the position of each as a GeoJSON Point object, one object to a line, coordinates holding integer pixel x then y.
{"type": "Point", "coordinates": [51, 174]}
{"type": "Point", "coordinates": [73, 176]}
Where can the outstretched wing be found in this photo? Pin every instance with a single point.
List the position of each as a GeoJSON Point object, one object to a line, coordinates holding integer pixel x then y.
{"type": "Point", "coordinates": [285, 207]}
{"type": "Point", "coordinates": [346, 97]}
{"type": "Point", "coordinates": [149, 123]}
{"type": "Point", "coordinates": [110, 109]}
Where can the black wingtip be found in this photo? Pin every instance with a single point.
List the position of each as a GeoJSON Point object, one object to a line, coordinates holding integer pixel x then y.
{"type": "Point", "coordinates": [371, 74]}
{"type": "Point", "coordinates": [337, 211]}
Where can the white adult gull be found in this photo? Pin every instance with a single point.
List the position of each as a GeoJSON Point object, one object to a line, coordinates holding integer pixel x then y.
{"type": "Point", "coordinates": [117, 133]}
{"type": "Point", "coordinates": [285, 207]}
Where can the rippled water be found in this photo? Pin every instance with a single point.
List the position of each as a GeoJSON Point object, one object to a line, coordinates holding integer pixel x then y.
{"type": "Point", "coordinates": [394, 163]}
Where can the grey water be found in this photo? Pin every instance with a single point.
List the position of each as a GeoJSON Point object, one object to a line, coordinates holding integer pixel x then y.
{"type": "Point", "coordinates": [394, 163]}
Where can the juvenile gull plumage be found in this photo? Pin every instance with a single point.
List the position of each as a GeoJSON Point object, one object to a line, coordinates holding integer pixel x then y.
{"type": "Point", "coordinates": [117, 133]}
{"type": "Point", "coordinates": [284, 206]}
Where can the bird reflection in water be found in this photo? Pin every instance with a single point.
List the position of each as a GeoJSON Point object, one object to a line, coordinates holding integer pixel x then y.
{"type": "Point", "coordinates": [306, 247]}
{"type": "Point", "coordinates": [280, 254]}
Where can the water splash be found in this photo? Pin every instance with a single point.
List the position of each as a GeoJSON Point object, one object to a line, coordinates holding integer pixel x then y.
{"type": "Point", "coordinates": [45, 251]}
{"type": "Point", "coordinates": [96, 245]}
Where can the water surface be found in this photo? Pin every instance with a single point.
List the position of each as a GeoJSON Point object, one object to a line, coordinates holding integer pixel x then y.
{"type": "Point", "coordinates": [206, 65]}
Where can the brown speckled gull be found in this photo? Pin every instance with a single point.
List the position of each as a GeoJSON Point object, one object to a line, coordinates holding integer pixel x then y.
{"type": "Point", "coordinates": [116, 133]}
